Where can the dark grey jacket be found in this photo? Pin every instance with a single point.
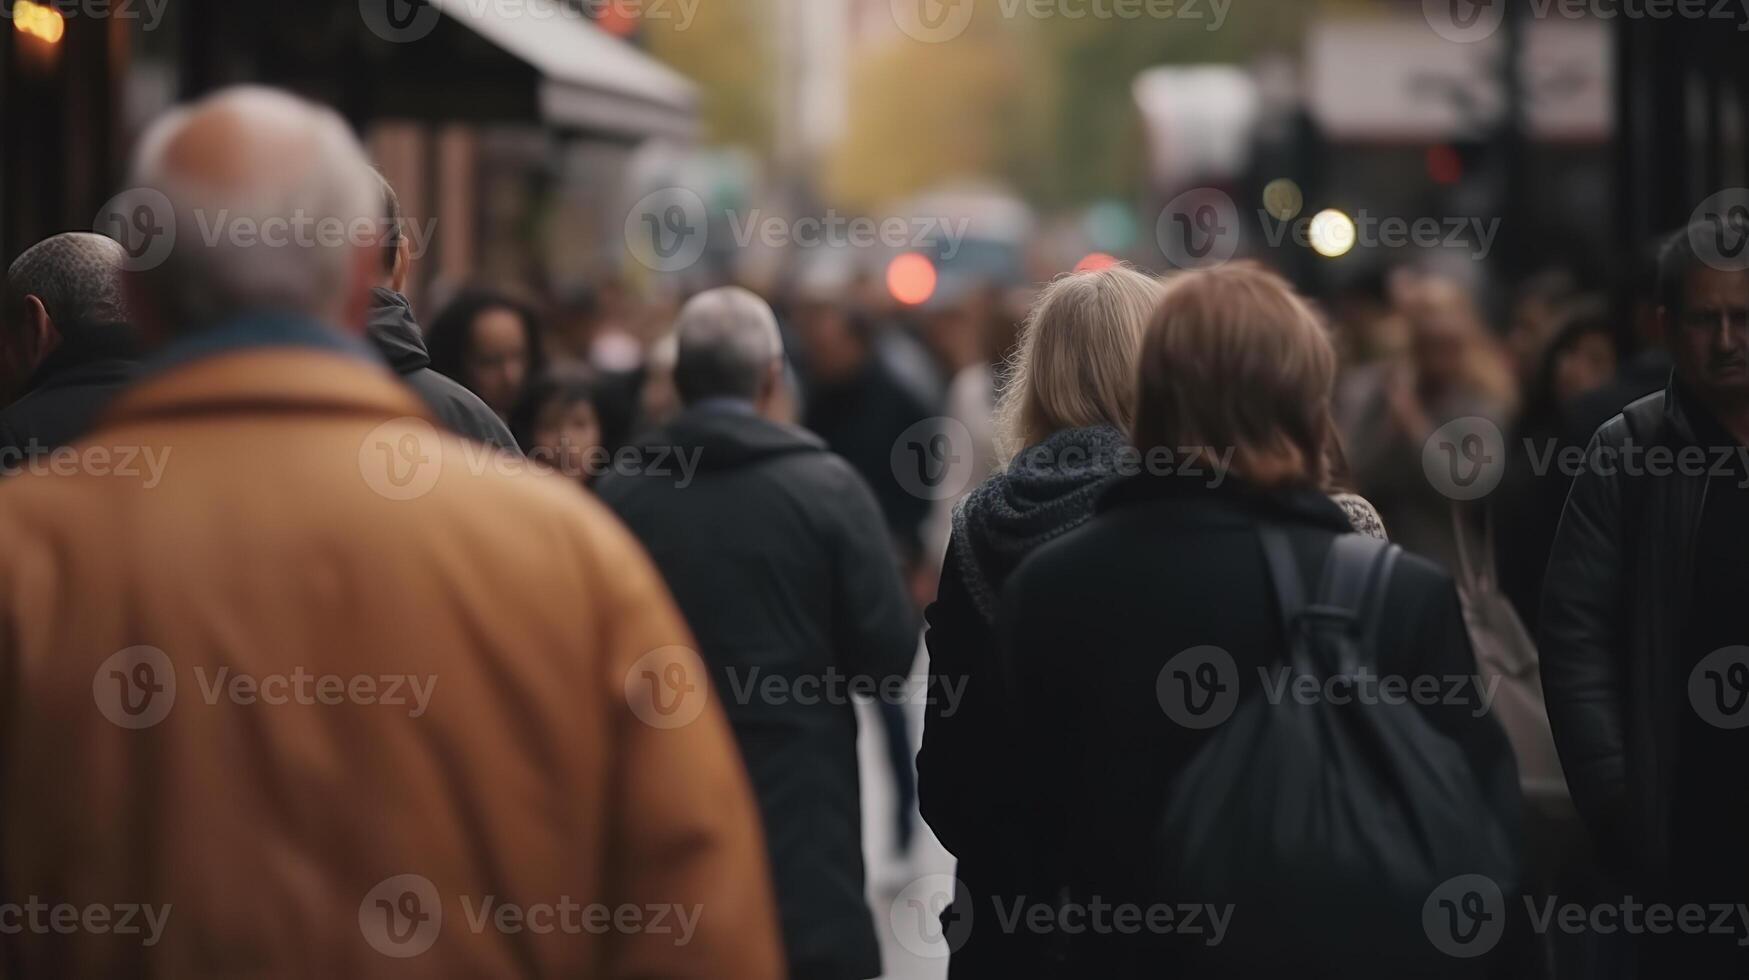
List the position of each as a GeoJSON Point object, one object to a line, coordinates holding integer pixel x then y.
{"type": "Point", "coordinates": [1614, 599]}
{"type": "Point", "coordinates": [396, 335]}
{"type": "Point", "coordinates": [778, 556]}
{"type": "Point", "coordinates": [69, 390]}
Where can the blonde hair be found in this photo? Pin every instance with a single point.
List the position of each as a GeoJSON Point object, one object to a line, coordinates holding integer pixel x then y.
{"type": "Point", "coordinates": [1074, 364]}
{"type": "Point", "coordinates": [1236, 360]}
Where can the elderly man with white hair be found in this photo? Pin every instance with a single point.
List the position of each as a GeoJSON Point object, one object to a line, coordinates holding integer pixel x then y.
{"type": "Point", "coordinates": [779, 557]}
{"type": "Point", "coordinates": [333, 699]}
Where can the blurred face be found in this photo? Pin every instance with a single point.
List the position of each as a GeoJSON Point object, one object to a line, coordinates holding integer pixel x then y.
{"type": "Point", "coordinates": [1439, 352]}
{"type": "Point", "coordinates": [1710, 336]}
{"type": "Point", "coordinates": [564, 435]}
{"type": "Point", "coordinates": [832, 348]}
{"type": "Point", "coordinates": [498, 359]}
{"type": "Point", "coordinates": [1584, 366]}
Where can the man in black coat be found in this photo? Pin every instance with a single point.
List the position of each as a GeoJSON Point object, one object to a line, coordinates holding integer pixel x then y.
{"type": "Point", "coordinates": [1644, 627]}
{"type": "Point", "coordinates": [67, 345]}
{"type": "Point", "coordinates": [778, 556]}
{"type": "Point", "coordinates": [396, 335]}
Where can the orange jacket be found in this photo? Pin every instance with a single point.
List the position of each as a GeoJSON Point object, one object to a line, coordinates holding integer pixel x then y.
{"type": "Point", "coordinates": [296, 686]}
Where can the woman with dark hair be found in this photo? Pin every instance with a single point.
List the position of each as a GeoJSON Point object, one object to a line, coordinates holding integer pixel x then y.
{"type": "Point", "coordinates": [491, 343]}
{"type": "Point", "coordinates": [559, 426]}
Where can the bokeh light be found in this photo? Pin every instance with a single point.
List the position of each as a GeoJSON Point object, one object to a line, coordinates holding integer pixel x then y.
{"type": "Point", "coordinates": [1283, 199]}
{"type": "Point", "coordinates": [1096, 261]}
{"type": "Point", "coordinates": [1332, 233]}
{"type": "Point", "coordinates": [911, 279]}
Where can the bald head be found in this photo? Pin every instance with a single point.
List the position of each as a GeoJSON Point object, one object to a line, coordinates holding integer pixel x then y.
{"type": "Point", "coordinates": [276, 210]}
{"type": "Point", "coordinates": [76, 276]}
{"type": "Point", "coordinates": [59, 288]}
{"type": "Point", "coordinates": [727, 346]}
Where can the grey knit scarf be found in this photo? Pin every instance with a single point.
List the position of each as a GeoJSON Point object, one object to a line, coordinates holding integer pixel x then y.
{"type": "Point", "coordinates": [1048, 490]}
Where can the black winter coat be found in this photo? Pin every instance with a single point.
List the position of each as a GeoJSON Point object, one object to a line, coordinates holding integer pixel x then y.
{"type": "Point", "coordinates": [778, 557]}
{"type": "Point", "coordinates": [1614, 603]}
{"type": "Point", "coordinates": [69, 389]}
{"type": "Point", "coordinates": [1088, 624]}
{"type": "Point", "coordinates": [396, 335]}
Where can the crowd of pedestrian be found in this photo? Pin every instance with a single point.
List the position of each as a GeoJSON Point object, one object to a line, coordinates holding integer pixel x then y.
{"type": "Point", "coordinates": [1210, 609]}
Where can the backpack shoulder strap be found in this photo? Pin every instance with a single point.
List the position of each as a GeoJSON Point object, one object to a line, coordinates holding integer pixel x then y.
{"type": "Point", "coordinates": [1284, 573]}
{"type": "Point", "coordinates": [1357, 573]}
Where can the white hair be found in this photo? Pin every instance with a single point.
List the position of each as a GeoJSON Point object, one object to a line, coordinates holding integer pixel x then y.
{"type": "Point", "coordinates": [280, 241]}
{"type": "Point", "coordinates": [726, 342]}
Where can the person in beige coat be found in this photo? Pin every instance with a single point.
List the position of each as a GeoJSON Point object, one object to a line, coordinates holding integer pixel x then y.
{"type": "Point", "coordinates": [294, 685]}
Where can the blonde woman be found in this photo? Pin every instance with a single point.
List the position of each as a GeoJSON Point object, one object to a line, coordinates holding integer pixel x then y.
{"type": "Point", "coordinates": [1062, 424]}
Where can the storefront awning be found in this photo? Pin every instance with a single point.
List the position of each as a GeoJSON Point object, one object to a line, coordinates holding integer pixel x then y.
{"type": "Point", "coordinates": [588, 79]}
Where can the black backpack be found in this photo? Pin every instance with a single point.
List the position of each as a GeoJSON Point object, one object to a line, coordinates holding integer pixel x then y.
{"type": "Point", "coordinates": [1333, 830]}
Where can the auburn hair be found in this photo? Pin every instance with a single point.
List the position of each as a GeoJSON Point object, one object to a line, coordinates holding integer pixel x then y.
{"type": "Point", "coordinates": [1235, 359]}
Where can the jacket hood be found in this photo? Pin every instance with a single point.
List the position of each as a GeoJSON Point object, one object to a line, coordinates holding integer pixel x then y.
{"type": "Point", "coordinates": [727, 438]}
{"type": "Point", "coordinates": [394, 333]}
{"type": "Point", "coordinates": [1048, 490]}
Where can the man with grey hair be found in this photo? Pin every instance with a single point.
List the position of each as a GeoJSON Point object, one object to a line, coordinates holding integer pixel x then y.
{"type": "Point", "coordinates": [778, 555]}
{"type": "Point", "coordinates": [66, 343]}
{"type": "Point", "coordinates": [244, 658]}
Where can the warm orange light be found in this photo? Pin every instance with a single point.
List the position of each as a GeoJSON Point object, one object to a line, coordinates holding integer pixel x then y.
{"type": "Point", "coordinates": [911, 279]}
{"type": "Point", "coordinates": [616, 21]}
{"type": "Point", "coordinates": [1095, 262]}
{"type": "Point", "coordinates": [39, 21]}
